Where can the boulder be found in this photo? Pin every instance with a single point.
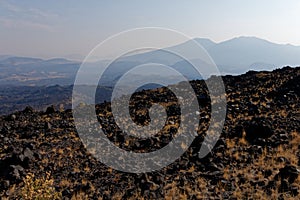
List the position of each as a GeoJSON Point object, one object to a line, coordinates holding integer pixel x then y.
{"type": "Point", "coordinates": [257, 131]}
{"type": "Point", "coordinates": [50, 110]}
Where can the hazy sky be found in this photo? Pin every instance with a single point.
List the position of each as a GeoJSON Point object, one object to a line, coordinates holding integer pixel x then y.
{"type": "Point", "coordinates": [59, 28]}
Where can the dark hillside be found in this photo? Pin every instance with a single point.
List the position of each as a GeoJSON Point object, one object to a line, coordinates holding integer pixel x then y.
{"type": "Point", "coordinates": [256, 157]}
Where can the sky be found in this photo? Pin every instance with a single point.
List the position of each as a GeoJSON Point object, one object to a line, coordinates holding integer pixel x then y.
{"type": "Point", "coordinates": [71, 28]}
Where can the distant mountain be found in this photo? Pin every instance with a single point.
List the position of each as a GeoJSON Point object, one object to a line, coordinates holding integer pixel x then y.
{"type": "Point", "coordinates": [244, 53]}
{"type": "Point", "coordinates": [36, 71]}
{"type": "Point", "coordinates": [235, 56]}
{"type": "Point", "coordinates": [206, 43]}
{"type": "Point", "coordinates": [241, 54]}
{"type": "Point", "coordinates": [186, 46]}
{"type": "Point", "coordinates": [20, 60]}
{"type": "Point", "coordinates": [59, 61]}
{"type": "Point", "coordinates": [164, 56]}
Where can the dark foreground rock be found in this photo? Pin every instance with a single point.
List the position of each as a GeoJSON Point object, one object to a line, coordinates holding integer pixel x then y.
{"type": "Point", "coordinates": [256, 157]}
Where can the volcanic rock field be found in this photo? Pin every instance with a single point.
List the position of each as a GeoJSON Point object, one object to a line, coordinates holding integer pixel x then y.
{"type": "Point", "coordinates": [256, 157]}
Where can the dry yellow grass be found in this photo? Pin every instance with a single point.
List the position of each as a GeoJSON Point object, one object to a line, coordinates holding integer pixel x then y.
{"type": "Point", "coordinates": [268, 160]}
{"type": "Point", "coordinates": [39, 188]}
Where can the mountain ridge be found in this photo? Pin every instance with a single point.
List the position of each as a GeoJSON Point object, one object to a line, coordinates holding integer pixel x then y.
{"type": "Point", "coordinates": [234, 56]}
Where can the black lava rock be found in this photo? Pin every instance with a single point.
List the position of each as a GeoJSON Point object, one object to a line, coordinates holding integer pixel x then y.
{"type": "Point", "coordinates": [257, 130]}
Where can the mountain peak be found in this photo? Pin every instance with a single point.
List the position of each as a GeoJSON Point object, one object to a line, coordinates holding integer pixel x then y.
{"type": "Point", "coordinates": [247, 39]}
{"type": "Point", "coordinates": [204, 40]}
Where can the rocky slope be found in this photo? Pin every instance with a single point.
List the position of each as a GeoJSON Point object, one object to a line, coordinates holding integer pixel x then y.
{"type": "Point", "coordinates": [257, 156]}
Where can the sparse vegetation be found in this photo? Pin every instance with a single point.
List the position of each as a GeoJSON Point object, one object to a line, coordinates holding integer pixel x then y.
{"type": "Point", "coordinates": [39, 188]}
{"type": "Point", "coordinates": [256, 157]}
